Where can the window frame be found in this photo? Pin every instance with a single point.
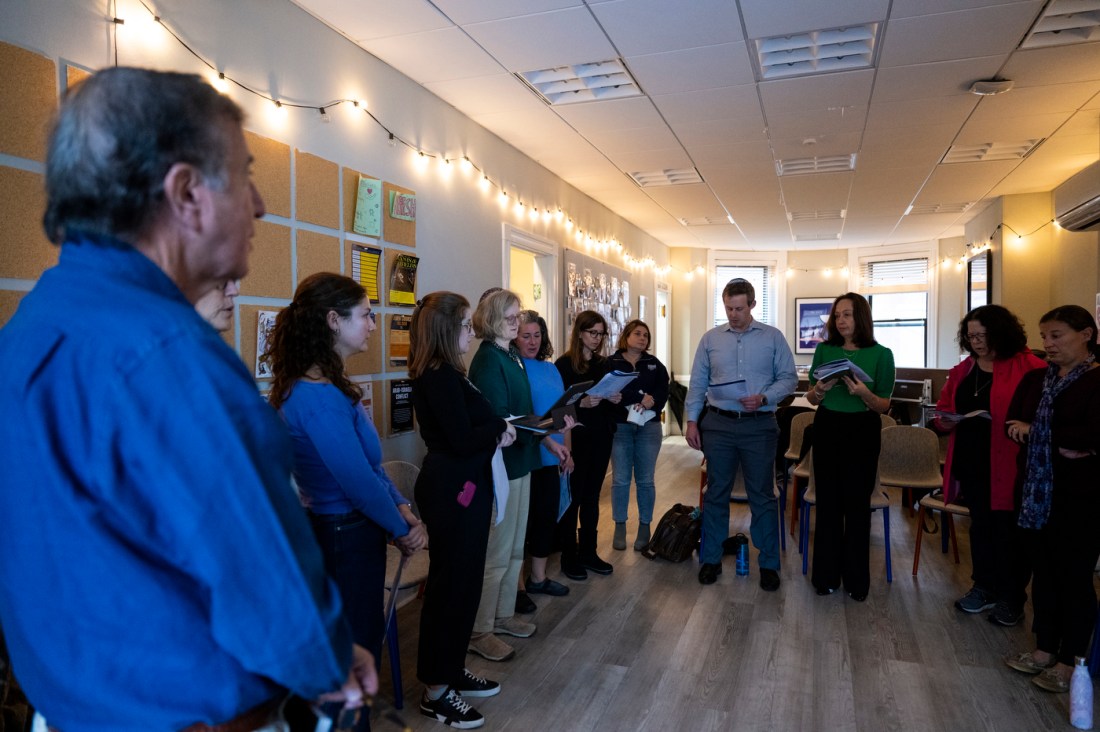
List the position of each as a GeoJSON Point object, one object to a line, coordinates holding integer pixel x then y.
{"type": "Point", "coordinates": [777, 260]}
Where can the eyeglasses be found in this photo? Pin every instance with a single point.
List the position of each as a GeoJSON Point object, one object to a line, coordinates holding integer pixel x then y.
{"type": "Point", "coordinates": [511, 319]}
{"type": "Point", "coordinates": [975, 337]}
{"type": "Point", "coordinates": [595, 333]}
{"type": "Point", "coordinates": [467, 326]}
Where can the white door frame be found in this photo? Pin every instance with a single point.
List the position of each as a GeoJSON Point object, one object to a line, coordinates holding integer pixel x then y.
{"type": "Point", "coordinates": [541, 247]}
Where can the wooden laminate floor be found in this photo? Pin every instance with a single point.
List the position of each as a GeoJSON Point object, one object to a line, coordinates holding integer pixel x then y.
{"type": "Point", "coordinates": [649, 648]}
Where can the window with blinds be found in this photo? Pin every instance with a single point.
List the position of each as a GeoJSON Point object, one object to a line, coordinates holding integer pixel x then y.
{"type": "Point", "coordinates": [978, 288]}
{"type": "Point", "coordinates": [893, 275]}
{"type": "Point", "coordinates": [762, 278]}
{"type": "Point", "coordinates": [897, 290]}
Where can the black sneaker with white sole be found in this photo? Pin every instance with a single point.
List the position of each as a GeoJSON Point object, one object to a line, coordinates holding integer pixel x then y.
{"type": "Point", "coordinates": [451, 710]}
{"type": "Point", "coordinates": [476, 687]}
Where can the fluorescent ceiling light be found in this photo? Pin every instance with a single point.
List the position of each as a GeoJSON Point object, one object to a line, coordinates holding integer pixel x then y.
{"type": "Point", "coordinates": [816, 52]}
{"type": "Point", "coordinates": [670, 177]}
{"type": "Point", "coordinates": [706, 221]}
{"type": "Point", "coordinates": [987, 151]}
{"type": "Point", "coordinates": [938, 208]}
{"type": "Point", "coordinates": [1065, 22]}
{"type": "Point", "coordinates": [817, 215]}
{"type": "Point", "coordinates": [589, 82]}
{"type": "Point", "coordinates": [825, 164]}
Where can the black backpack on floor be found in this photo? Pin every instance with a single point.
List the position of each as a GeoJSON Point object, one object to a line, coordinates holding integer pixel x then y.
{"type": "Point", "coordinates": [677, 534]}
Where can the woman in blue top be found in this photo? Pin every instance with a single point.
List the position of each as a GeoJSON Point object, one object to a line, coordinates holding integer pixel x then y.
{"type": "Point", "coordinates": [847, 437]}
{"type": "Point", "coordinates": [636, 446]}
{"type": "Point", "coordinates": [353, 506]}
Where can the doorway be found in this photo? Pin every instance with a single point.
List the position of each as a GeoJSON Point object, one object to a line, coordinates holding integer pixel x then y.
{"type": "Point", "coordinates": [531, 271]}
{"type": "Point", "coordinates": [661, 340]}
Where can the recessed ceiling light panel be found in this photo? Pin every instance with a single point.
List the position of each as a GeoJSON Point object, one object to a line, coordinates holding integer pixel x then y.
{"type": "Point", "coordinates": [670, 177]}
{"type": "Point", "coordinates": [817, 52]}
{"type": "Point", "coordinates": [1065, 22]}
{"type": "Point", "coordinates": [832, 215]}
{"type": "Point", "coordinates": [938, 208]}
{"type": "Point", "coordinates": [706, 221]}
{"type": "Point", "coordinates": [589, 82]}
{"type": "Point", "coordinates": [987, 151]}
{"type": "Point", "coordinates": [824, 164]}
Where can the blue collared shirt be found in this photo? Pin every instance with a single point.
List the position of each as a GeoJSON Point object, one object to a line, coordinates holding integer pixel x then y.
{"type": "Point", "coordinates": [760, 355]}
{"type": "Point", "coordinates": [156, 569]}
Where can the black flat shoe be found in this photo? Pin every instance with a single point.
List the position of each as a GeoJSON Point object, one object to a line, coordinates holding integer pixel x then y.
{"type": "Point", "coordinates": [769, 580]}
{"type": "Point", "coordinates": [524, 604]}
{"type": "Point", "coordinates": [708, 573]}
{"type": "Point", "coordinates": [857, 598]}
{"type": "Point", "coordinates": [822, 591]}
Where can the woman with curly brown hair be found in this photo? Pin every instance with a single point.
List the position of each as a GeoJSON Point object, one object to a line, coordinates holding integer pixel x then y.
{"type": "Point", "coordinates": [353, 506]}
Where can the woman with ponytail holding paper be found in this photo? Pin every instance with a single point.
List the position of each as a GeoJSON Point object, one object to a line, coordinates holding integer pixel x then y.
{"type": "Point", "coordinates": [846, 445]}
{"type": "Point", "coordinates": [1055, 416]}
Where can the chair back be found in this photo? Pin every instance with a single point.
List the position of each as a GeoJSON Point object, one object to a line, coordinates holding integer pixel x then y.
{"type": "Point", "coordinates": [798, 430]}
{"type": "Point", "coordinates": [910, 457]}
{"type": "Point", "coordinates": [404, 477]}
{"type": "Point", "coordinates": [887, 421]}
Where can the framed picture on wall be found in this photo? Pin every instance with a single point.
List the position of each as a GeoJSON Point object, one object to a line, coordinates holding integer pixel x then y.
{"type": "Point", "coordinates": [811, 315]}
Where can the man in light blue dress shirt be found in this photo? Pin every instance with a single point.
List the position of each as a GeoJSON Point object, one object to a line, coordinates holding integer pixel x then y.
{"type": "Point", "coordinates": [739, 431]}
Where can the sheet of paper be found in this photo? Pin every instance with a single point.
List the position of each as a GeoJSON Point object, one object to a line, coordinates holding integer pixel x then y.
{"type": "Point", "coordinates": [611, 384]}
{"type": "Point", "coordinates": [731, 391]}
{"type": "Point", "coordinates": [368, 207]}
{"type": "Point", "coordinates": [639, 418]}
{"type": "Point", "coordinates": [364, 269]}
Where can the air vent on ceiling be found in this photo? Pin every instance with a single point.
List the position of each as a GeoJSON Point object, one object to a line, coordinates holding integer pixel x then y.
{"type": "Point", "coordinates": [816, 237]}
{"type": "Point", "coordinates": [816, 52]}
{"type": "Point", "coordinates": [582, 82]}
{"type": "Point", "coordinates": [706, 221]}
{"type": "Point", "coordinates": [671, 177]}
{"type": "Point", "coordinates": [987, 151]}
{"type": "Point", "coordinates": [938, 208]}
{"type": "Point", "coordinates": [817, 215]}
{"type": "Point", "coordinates": [827, 164]}
{"type": "Point", "coordinates": [1064, 22]}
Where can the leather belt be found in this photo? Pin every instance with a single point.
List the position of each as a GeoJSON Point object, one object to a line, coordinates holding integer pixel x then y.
{"type": "Point", "coordinates": [255, 718]}
{"type": "Point", "coordinates": [738, 415]}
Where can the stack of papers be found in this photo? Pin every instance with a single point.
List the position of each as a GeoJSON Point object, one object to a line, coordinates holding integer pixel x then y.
{"type": "Point", "coordinates": [841, 367]}
{"type": "Point", "coordinates": [639, 418]}
{"type": "Point", "coordinates": [611, 384]}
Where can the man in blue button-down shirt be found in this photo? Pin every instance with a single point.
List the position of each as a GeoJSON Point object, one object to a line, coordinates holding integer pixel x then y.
{"type": "Point", "coordinates": [739, 431]}
{"type": "Point", "coordinates": [156, 570]}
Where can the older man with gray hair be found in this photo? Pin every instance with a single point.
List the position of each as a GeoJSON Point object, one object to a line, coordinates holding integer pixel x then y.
{"type": "Point", "coordinates": [156, 570]}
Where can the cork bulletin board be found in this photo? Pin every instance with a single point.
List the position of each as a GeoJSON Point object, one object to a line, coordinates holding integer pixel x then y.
{"type": "Point", "coordinates": [396, 231]}
{"type": "Point", "coordinates": [74, 75]}
{"type": "Point", "coordinates": [271, 172]}
{"type": "Point", "coordinates": [370, 361]}
{"type": "Point", "coordinates": [316, 253]}
{"type": "Point", "coordinates": [317, 186]}
{"type": "Point", "coordinates": [26, 252]}
{"type": "Point", "coordinates": [28, 86]}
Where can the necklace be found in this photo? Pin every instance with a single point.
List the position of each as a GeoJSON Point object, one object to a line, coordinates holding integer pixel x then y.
{"type": "Point", "coordinates": [978, 386]}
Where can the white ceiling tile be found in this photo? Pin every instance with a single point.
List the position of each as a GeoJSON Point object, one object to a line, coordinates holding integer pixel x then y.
{"type": "Point", "coordinates": [947, 110]}
{"type": "Point", "coordinates": [1048, 167]}
{"type": "Point", "coordinates": [827, 91]}
{"type": "Point", "coordinates": [709, 67]}
{"type": "Point", "coordinates": [366, 19]}
{"type": "Point", "coordinates": [964, 181]}
{"type": "Point", "coordinates": [765, 18]}
{"type": "Point", "coordinates": [721, 132]}
{"type": "Point", "coordinates": [1057, 65]}
{"type": "Point", "coordinates": [545, 40]}
{"type": "Point", "coordinates": [643, 139]}
{"type": "Point", "coordinates": [821, 192]}
{"type": "Point", "coordinates": [477, 11]}
{"type": "Point", "coordinates": [943, 78]}
{"type": "Point", "coordinates": [818, 123]}
{"type": "Point", "coordinates": [825, 146]}
{"type": "Point", "coordinates": [614, 114]}
{"type": "Point", "coordinates": [710, 104]}
{"type": "Point", "coordinates": [962, 34]}
{"type": "Point", "coordinates": [646, 26]}
{"type": "Point", "coordinates": [635, 161]}
{"type": "Point", "coordinates": [436, 55]}
{"type": "Point", "coordinates": [487, 95]}
{"type": "Point", "coordinates": [911, 8]}
{"type": "Point", "coordinates": [983, 128]}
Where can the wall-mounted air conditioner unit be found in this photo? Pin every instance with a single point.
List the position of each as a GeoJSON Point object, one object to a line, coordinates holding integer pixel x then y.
{"type": "Point", "coordinates": [1077, 201]}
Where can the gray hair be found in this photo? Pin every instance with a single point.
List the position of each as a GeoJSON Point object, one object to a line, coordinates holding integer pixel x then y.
{"type": "Point", "coordinates": [115, 138]}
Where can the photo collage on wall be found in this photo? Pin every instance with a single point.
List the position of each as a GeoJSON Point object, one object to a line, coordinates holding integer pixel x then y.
{"type": "Point", "coordinates": [606, 292]}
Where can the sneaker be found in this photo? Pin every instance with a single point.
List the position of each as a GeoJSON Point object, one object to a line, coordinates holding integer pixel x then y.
{"type": "Point", "coordinates": [451, 710]}
{"type": "Point", "coordinates": [524, 604]}
{"type": "Point", "coordinates": [546, 587]}
{"type": "Point", "coordinates": [1006, 614]}
{"type": "Point", "coordinates": [976, 601]}
{"type": "Point", "coordinates": [1026, 663]}
{"type": "Point", "coordinates": [618, 541]}
{"type": "Point", "coordinates": [643, 537]}
{"type": "Point", "coordinates": [594, 563]}
{"type": "Point", "coordinates": [489, 647]}
{"type": "Point", "coordinates": [514, 626]}
{"type": "Point", "coordinates": [1052, 680]}
{"type": "Point", "coordinates": [475, 686]}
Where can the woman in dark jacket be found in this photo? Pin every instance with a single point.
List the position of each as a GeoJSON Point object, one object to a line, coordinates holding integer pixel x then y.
{"type": "Point", "coordinates": [590, 445]}
{"type": "Point", "coordinates": [637, 431]}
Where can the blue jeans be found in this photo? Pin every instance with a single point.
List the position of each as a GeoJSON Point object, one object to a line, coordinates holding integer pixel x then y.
{"type": "Point", "coordinates": [634, 450]}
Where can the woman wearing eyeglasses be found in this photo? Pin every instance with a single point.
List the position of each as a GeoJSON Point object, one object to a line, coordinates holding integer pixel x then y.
{"type": "Point", "coordinates": [353, 506]}
{"type": "Point", "coordinates": [590, 445]}
{"type": "Point", "coordinates": [981, 459]}
{"type": "Point", "coordinates": [497, 370]}
{"type": "Point", "coordinates": [455, 494]}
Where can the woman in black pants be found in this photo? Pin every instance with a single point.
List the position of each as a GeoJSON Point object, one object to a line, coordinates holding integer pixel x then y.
{"type": "Point", "coordinates": [455, 494]}
{"type": "Point", "coordinates": [590, 445]}
{"type": "Point", "coordinates": [847, 437]}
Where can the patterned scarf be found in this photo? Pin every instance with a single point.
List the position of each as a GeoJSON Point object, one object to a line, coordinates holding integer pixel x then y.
{"type": "Point", "coordinates": [1039, 486]}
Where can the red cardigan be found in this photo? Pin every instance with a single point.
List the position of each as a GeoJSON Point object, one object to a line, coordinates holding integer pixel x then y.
{"type": "Point", "coordinates": [1007, 373]}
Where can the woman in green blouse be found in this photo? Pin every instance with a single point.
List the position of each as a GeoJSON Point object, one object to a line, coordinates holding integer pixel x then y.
{"type": "Point", "coordinates": [846, 446]}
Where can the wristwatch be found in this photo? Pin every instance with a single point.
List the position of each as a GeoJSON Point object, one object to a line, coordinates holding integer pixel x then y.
{"type": "Point", "coordinates": [763, 400]}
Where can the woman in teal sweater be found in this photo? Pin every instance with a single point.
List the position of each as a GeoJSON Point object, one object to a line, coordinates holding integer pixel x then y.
{"type": "Point", "coordinates": [846, 446]}
{"type": "Point", "coordinates": [498, 372]}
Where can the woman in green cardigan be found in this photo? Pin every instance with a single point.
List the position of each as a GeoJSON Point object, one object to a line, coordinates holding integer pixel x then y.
{"type": "Point", "coordinates": [497, 371]}
{"type": "Point", "coordinates": [846, 446]}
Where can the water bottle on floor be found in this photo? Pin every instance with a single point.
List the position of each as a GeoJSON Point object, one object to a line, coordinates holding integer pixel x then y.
{"type": "Point", "coordinates": [741, 544]}
{"type": "Point", "coordinates": [1080, 695]}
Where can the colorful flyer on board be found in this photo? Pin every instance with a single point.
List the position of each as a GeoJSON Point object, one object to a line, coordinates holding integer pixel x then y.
{"type": "Point", "coordinates": [399, 340]}
{"type": "Point", "coordinates": [364, 269]}
{"type": "Point", "coordinates": [403, 206]}
{"type": "Point", "coordinates": [368, 207]}
{"type": "Point", "coordinates": [403, 280]}
{"type": "Point", "coordinates": [265, 324]}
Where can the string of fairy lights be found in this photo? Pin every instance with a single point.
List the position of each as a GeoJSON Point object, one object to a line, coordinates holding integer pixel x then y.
{"type": "Point", "coordinates": [507, 199]}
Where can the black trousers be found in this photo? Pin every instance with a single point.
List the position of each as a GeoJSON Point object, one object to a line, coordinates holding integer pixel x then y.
{"type": "Point", "coordinates": [1001, 565]}
{"type": "Point", "coordinates": [1065, 552]}
{"type": "Point", "coordinates": [542, 516]}
{"type": "Point", "coordinates": [591, 456]}
{"type": "Point", "coordinates": [452, 593]}
{"type": "Point", "coordinates": [846, 447]}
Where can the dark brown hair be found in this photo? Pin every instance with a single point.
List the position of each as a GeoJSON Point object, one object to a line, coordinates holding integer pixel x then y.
{"type": "Point", "coordinates": [303, 339]}
{"type": "Point", "coordinates": [586, 320]}
{"type": "Point", "coordinates": [740, 286]}
{"type": "Point", "coordinates": [622, 344]}
{"type": "Point", "coordinates": [864, 333]}
{"type": "Point", "coordinates": [1004, 333]}
{"type": "Point", "coordinates": [546, 348]}
{"type": "Point", "coordinates": [1075, 317]}
{"type": "Point", "coordinates": [433, 333]}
